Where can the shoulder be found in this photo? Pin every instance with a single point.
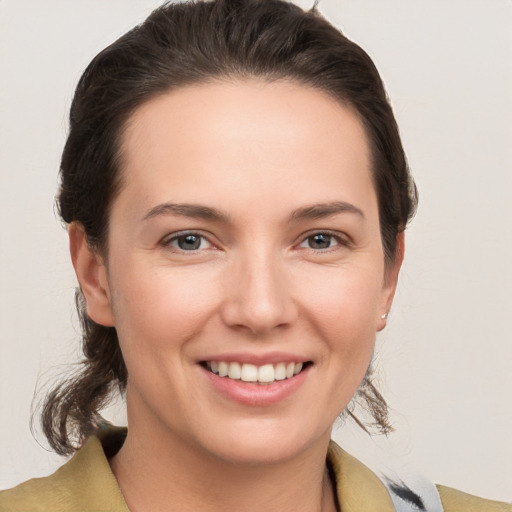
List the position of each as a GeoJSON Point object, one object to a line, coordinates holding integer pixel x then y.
{"type": "Point", "coordinates": [359, 489]}
{"type": "Point", "coordinates": [454, 500]}
{"type": "Point", "coordinates": [85, 482]}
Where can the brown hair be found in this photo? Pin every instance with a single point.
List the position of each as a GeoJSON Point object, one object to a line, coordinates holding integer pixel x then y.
{"type": "Point", "coordinates": [187, 43]}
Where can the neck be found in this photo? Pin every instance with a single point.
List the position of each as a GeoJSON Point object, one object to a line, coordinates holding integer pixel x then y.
{"type": "Point", "coordinates": [159, 473]}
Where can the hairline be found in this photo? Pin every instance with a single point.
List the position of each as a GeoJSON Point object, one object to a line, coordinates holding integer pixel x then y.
{"type": "Point", "coordinates": [237, 78]}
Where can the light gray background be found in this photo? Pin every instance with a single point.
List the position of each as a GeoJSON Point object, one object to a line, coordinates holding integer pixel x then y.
{"type": "Point", "coordinates": [446, 355]}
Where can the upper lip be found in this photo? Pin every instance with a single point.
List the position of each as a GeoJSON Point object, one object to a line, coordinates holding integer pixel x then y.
{"type": "Point", "coordinates": [257, 359]}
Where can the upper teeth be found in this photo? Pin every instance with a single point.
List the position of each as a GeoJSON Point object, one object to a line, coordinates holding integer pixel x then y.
{"type": "Point", "coordinates": [252, 373]}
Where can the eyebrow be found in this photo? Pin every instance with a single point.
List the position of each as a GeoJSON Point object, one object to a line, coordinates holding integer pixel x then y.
{"type": "Point", "coordinates": [321, 210]}
{"type": "Point", "coordinates": [186, 210]}
{"type": "Point", "coordinates": [314, 211]}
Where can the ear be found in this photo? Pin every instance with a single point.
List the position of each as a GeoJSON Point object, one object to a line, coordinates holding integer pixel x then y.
{"type": "Point", "coordinates": [91, 273]}
{"type": "Point", "coordinates": [390, 282]}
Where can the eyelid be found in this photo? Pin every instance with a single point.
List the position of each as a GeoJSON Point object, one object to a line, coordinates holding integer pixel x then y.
{"type": "Point", "coordinates": [171, 237]}
{"type": "Point", "coordinates": [343, 239]}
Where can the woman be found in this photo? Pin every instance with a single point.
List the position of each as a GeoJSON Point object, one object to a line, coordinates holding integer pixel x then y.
{"type": "Point", "coordinates": [236, 194]}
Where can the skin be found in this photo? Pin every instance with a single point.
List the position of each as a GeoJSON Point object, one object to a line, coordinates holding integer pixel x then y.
{"type": "Point", "coordinates": [260, 154]}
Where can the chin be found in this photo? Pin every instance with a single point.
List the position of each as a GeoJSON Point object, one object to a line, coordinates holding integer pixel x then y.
{"type": "Point", "coordinates": [265, 443]}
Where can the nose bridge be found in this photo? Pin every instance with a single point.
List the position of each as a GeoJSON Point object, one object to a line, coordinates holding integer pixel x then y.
{"type": "Point", "coordinates": [260, 297]}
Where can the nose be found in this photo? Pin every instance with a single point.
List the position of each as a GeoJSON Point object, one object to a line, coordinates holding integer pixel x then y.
{"type": "Point", "coordinates": [259, 298]}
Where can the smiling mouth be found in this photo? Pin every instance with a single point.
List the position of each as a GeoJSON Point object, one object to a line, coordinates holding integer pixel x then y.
{"type": "Point", "coordinates": [264, 374]}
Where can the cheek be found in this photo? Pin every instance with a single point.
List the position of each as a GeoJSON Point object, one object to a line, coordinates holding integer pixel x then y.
{"type": "Point", "coordinates": [343, 306]}
{"type": "Point", "coordinates": [162, 307]}
{"type": "Point", "coordinates": [344, 296]}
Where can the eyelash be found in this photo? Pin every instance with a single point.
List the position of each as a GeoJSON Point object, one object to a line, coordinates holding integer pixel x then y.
{"type": "Point", "coordinates": [341, 241]}
{"type": "Point", "coordinates": [167, 242]}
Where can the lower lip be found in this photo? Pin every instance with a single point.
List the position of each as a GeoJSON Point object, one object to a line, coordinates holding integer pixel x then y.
{"type": "Point", "coordinates": [249, 393]}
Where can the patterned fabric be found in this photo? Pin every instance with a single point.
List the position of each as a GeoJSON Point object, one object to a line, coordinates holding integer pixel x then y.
{"type": "Point", "coordinates": [424, 497]}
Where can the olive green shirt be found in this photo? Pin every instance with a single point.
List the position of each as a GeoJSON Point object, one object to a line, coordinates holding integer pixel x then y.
{"type": "Point", "coordinates": [86, 484]}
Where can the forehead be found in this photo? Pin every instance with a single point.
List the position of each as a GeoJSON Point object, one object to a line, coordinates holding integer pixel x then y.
{"type": "Point", "coordinates": [229, 140]}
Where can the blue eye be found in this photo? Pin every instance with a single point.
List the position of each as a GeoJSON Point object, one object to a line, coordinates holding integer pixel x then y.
{"type": "Point", "coordinates": [320, 241]}
{"type": "Point", "coordinates": [189, 242]}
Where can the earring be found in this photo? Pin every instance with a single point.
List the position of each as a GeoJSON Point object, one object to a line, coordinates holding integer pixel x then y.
{"type": "Point", "coordinates": [384, 316]}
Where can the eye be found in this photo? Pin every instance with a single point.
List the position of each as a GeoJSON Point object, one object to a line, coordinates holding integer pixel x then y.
{"type": "Point", "coordinates": [320, 241]}
{"type": "Point", "coordinates": [188, 242]}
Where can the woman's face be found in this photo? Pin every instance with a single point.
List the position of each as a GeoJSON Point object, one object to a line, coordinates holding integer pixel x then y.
{"type": "Point", "coordinates": [245, 240]}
